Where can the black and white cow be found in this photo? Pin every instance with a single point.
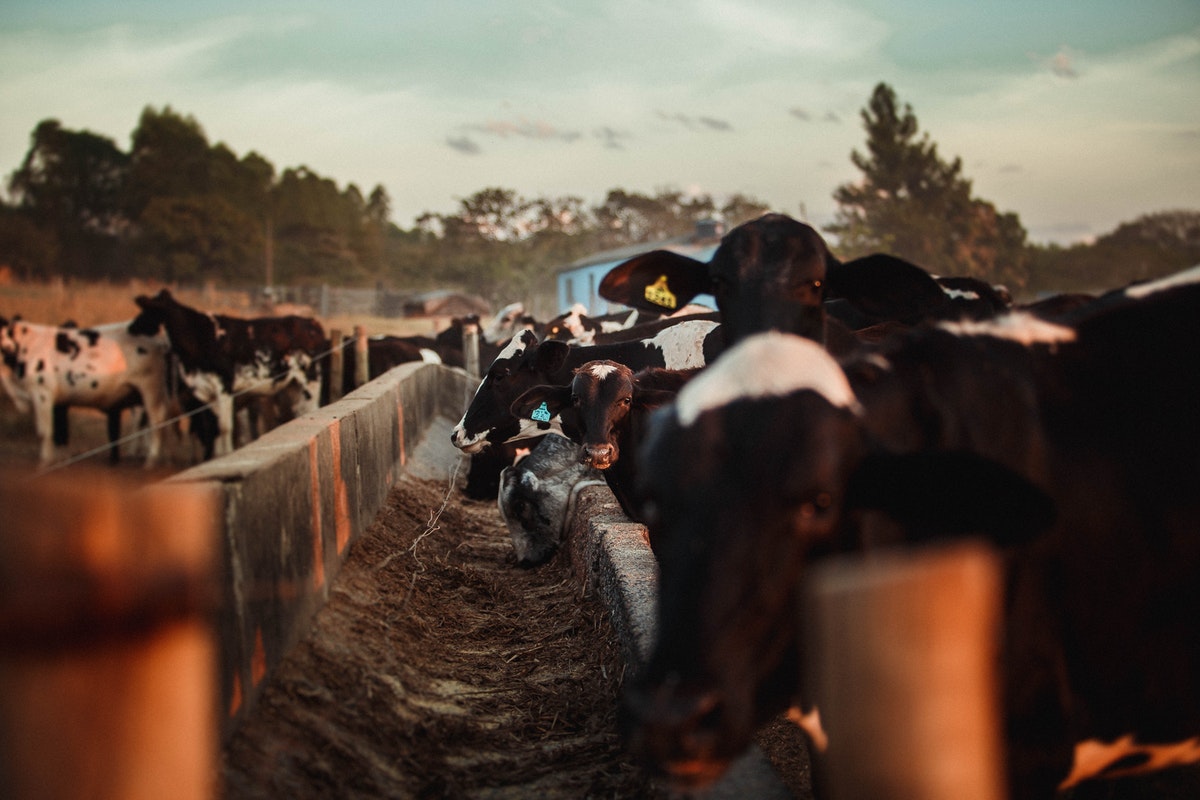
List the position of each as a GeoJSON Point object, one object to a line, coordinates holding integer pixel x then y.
{"type": "Point", "coordinates": [1076, 449]}
{"type": "Point", "coordinates": [526, 363]}
{"type": "Point", "coordinates": [604, 410]}
{"type": "Point", "coordinates": [537, 495]}
{"type": "Point", "coordinates": [775, 273]}
{"type": "Point", "coordinates": [108, 367]}
{"type": "Point", "coordinates": [223, 357]}
{"type": "Point", "coordinates": [767, 274]}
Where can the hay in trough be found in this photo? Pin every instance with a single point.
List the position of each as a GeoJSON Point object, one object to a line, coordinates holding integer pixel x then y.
{"type": "Point", "coordinates": [440, 669]}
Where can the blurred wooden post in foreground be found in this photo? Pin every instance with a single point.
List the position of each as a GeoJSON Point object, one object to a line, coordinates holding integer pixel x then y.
{"type": "Point", "coordinates": [362, 366]}
{"type": "Point", "coordinates": [337, 364]}
{"type": "Point", "coordinates": [904, 651]}
{"type": "Point", "coordinates": [107, 648]}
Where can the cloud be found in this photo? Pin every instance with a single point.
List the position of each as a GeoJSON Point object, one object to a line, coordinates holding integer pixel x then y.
{"type": "Point", "coordinates": [694, 123]}
{"type": "Point", "coordinates": [716, 124]}
{"type": "Point", "coordinates": [611, 138]}
{"type": "Point", "coordinates": [524, 129]}
{"type": "Point", "coordinates": [804, 115]}
{"type": "Point", "coordinates": [1061, 63]}
{"type": "Point", "coordinates": [463, 144]}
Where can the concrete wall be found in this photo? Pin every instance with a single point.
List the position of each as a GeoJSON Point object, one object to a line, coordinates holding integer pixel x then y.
{"type": "Point", "coordinates": [292, 502]}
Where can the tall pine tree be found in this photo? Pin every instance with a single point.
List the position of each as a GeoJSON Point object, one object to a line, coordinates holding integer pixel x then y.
{"type": "Point", "coordinates": [913, 204]}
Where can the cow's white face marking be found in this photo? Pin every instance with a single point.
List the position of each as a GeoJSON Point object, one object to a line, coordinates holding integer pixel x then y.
{"type": "Point", "coordinates": [1019, 326]}
{"type": "Point", "coordinates": [683, 344]}
{"type": "Point", "coordinates": [960, 294]}
{"type": "Point", "coordinates": [602, 371]}
{"type": "Point", "coordinates": [766, 365]}
{"type": "Point", "coordinates": [473, 444]}
{"type": "Point", "coordinates": [1184, 278]}
{"type": "Point", "coordinates": [429, 356]}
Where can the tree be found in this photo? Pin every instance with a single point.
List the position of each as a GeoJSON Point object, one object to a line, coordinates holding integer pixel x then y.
{"type": "Point", "coordinates": [69, 187]}
{"type": "Point", "coordinates": [913, 204]}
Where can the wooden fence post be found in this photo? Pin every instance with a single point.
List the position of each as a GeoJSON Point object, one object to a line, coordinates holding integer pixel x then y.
{"type": "Point", "coordinates": [362, 366]}
{"type": "Point", "coordinates": [107, 647]}
{"type": "Point", "coordinates": [337, 364]}
{"type": "Point", "coordinates": [471, 350]}
{"type": "Point", "coordinates": [904, 651]}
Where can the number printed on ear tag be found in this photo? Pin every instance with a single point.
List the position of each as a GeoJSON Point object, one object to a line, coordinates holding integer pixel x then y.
{"type": "Point", "coordinates": [541, 413]}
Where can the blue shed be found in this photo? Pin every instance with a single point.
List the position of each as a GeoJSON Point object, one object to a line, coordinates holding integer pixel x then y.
{"type": "Point", "coordinates": [579, 282]}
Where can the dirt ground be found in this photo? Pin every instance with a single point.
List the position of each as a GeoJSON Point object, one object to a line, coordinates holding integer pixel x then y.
{"type": "Point", "coordinates": [439, 669]}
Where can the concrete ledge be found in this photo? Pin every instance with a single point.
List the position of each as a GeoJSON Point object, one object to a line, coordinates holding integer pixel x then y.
{"type": "Point", "coordinates": [292, 502]}
{"type": "Point", "coordinates": [613, 555]}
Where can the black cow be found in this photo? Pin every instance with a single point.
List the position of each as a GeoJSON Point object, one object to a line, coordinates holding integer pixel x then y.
{"type": "Point", "coordinates": [526, 363]}
{"type": "Point", "coordinates": [221, 357]}
{"type": "Point", "coordinates": [1076, 449]}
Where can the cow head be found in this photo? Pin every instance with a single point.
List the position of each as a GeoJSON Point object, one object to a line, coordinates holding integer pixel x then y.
{"type": "Point", "coordinates": [535, 497]}
{"type": "Point", "coordinates": [521, 365]}
{"type": "Point", "coordinates": [767, 274]}
{"type": "Point", "coordinates": [761, 465]}
{"type": "Point", "coordinates": [595, 408]}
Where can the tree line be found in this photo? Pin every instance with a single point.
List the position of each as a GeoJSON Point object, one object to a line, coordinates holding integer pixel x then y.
{"type": "Point", "coordinates": [179, 209]}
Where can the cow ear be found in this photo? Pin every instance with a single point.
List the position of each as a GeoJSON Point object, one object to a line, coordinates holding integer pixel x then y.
{"type": "Point", "coordinates": [550, 356]}
{"type": "Point", "coordinates": [553, 398]}
{"type": "Point", "coordinates": [938, 495]}
{"type": "Point", "coordinates": [652, 398]}
{"type": "Point", "coordinates": [660, 281]}
{"type": "Point", "coordinates": [885, 287]}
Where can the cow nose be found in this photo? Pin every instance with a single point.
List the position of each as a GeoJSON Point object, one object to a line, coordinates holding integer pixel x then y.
{"type": "Point", "coordinates": [678, 734]}
{"type": "Point", "coordinates": [599, 456]}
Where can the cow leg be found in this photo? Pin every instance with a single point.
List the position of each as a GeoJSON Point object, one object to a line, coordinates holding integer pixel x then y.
{"type": "Point", "coordinates": [43, 423]}
{"type": "Point", "coordinates": [113, 416]}
{"type": "Point", "coordinates": [223, 406]}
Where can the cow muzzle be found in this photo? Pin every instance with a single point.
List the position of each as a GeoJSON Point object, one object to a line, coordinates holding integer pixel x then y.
{"type": "Point", "coordinates": [678, 734]}
{"type": "Point", "coordinates": [599, 456]}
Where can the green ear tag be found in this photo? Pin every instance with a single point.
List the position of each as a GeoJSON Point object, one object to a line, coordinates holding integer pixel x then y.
{"type": "Point", "coordinates": [541, 413]}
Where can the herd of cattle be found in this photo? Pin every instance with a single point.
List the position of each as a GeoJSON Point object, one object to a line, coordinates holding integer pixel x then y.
{"type": "Point", "coordinates": [832, 408]}
{"type": "Point", "coordinates": [826, 407]}
{"type": "Point", "coordinates": [176, 363]}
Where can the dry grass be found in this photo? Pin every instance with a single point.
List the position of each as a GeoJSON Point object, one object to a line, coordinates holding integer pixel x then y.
{"type": "Point", "coordinates": [94, 303]}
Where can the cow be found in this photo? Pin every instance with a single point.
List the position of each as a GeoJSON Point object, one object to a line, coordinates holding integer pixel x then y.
{"type": "Point", "coordinates": [604, 410]}
{"type": "Point", "coordinates": [108, 367]}
{"type": "Point", "coordinates": [526, 363]}
{"type": "Point", "coordinates": [577, 327]}
{"type": "Point", "coordinates": [221, 357]}
{"type": "Point", "coordinates": [767, 274]}
{"type": "Point", "coordinates": [537, 494]}
{"type": "Point", "coordinates": [775, 273]}
{"type": "Point", "coordinates": [385, 352]}
{"type": "Point", "coordinates": [1086, 472]}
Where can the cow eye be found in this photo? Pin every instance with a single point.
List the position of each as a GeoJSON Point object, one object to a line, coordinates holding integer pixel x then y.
{"type": "Point", "coordinates": [626, 401]}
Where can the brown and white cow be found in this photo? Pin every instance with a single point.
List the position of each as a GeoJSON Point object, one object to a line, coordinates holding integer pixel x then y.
{"type": "Point", "coordinates": [107, 367]}
{"type": "Point", "coordinates": [604, 410]}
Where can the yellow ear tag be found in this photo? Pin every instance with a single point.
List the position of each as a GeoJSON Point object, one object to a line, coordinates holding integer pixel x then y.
{"type": "Point", "coordinates": [659, 294]}
{"type": "Point", "coordinates": [541, 413]}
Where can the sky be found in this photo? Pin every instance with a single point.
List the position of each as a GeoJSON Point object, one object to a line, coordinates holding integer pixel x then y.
{"type": "Point", "coordinates": [1077, 115]}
